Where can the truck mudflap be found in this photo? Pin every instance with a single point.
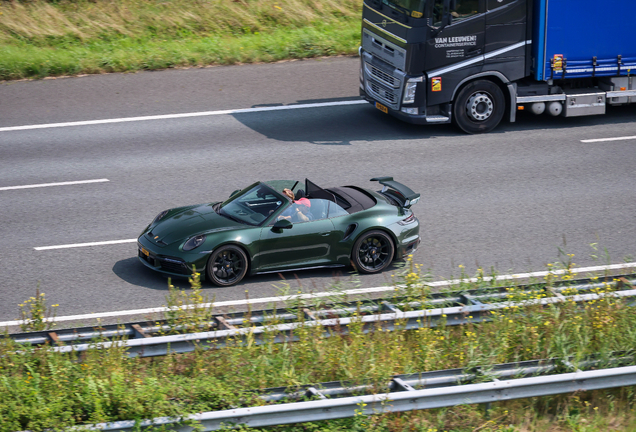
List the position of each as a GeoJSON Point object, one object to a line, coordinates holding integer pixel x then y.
{"type": "Point", "coordinates": [399, 192]}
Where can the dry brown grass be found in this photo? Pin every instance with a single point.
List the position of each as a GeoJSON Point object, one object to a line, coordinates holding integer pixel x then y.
{"type": "Point", "coordinates": [83, 20]}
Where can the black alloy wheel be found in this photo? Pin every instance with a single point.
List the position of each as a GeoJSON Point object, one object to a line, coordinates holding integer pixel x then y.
{"type": "Point", "coordinates": [479, 107]}
{"type": "Point", "coordinates": [373, 252]}
{"type": "Point", "coordinates": [227, 265]}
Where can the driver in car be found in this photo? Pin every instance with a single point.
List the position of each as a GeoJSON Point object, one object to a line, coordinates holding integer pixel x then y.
{"type": "Point", "coordinates": [299, 209]}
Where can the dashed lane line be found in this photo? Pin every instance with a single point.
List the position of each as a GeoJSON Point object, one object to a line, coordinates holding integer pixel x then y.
{"type": "Point", "coordinates": [77, 245]}
{"type": "Point", "coordinates": [608, 139]}
{"type": "Point", "coordinates": [68, 183]}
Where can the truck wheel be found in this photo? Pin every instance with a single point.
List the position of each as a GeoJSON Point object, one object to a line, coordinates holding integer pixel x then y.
{"type": "Point", "coordinates": [479, 107]}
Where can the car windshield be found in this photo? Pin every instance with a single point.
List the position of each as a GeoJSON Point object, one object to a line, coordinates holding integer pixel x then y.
{"type": "Point", "coordinates": [279, 185]}
{"type": "Point", "coordinates": [252, 205]}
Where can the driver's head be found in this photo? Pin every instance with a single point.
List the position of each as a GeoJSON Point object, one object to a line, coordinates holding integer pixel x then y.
{"type": "Point", "coordinates": [289, 193]}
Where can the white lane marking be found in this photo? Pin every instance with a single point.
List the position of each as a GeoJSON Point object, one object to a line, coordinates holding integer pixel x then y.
{"type": "Point", "coordinates": [608, 139]}
{"type": "Point", "coordinates": [184, 115]}
{"type": "Point", "coordinates": [631, 266]}
{"type": "Point", "coordinates": [76, 245]}
{"type": "Point", "coordinates": [68, 183]}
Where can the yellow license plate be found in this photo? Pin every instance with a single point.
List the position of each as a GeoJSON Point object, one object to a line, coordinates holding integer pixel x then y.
{"type": "Point", "coordinates": [145, 252]}
{"type": "Point", "coordinates": [381, 107]}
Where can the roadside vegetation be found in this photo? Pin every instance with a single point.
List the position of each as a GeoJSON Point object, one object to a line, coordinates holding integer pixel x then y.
{"type": "Point", "coordinates": [43, 390]}
{"type": "Point", "coordinates": [40, 38]}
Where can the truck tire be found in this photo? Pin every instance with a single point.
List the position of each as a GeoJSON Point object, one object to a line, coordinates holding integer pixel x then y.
{"type": "Point", "coordinates": [479, 107]}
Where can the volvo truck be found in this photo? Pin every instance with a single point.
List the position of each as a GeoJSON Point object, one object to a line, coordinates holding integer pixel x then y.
{"type": "Point", "coordinates": [477, 62]}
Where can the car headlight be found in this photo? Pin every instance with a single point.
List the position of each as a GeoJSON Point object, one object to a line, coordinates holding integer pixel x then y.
{"type": "Point", "coordinates": [159, 216]}
{"type": "Point", "coordinates": [194, 242]}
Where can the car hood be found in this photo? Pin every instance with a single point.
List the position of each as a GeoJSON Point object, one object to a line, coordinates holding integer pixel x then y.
{"type": "Point", "coordinates": [185, 222]}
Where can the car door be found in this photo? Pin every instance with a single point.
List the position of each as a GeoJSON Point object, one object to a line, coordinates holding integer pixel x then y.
{"type": "Point", "coordinates": [461, 42]}
{"type": "Point", "coordinates": [305, 244]}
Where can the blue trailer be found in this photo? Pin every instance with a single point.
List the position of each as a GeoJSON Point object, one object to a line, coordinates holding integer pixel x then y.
{"type": "Point", "coordinates": [476, 62]}
{"type": "Point", "coordinates": [593, 38]}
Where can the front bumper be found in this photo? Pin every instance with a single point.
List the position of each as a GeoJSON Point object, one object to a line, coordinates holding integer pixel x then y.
{"type": "Point", "coordinates": [166, 264]}
{"type": "Point", "coordinates": [409, 118]}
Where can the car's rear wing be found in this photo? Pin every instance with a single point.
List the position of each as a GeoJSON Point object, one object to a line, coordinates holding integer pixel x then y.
{"type": "Point", "coordinates": [396, 190]}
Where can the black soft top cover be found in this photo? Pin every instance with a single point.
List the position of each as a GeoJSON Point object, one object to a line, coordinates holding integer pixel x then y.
{"type": "Point", "coordinates": [357, 198]}
{"type": "Point", "coordinates": [351, 198]}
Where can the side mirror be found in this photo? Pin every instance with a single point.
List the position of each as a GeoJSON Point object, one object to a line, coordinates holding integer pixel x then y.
{"type": "Point", "coordinates": [447, 18]}
{"type": "Point", "coordinates": [282, 225]}
{"type": "Point", "coordinates": [235, 192]}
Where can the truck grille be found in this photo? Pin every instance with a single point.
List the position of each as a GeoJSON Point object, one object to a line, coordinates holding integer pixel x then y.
{"type": "Point", "coordinates": [382, 76]}
{"type": "Point", "coordinates": [382, 93]}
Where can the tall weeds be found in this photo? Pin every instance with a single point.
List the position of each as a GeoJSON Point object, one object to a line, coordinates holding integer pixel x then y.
{"type": "Point", "coordinates": [43, 389]}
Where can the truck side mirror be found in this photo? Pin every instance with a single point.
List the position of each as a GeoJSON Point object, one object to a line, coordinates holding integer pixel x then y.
{"type": "Point", "coordinates": [447, 18]}
{"type": "Point", "coordinates": [449, 6]}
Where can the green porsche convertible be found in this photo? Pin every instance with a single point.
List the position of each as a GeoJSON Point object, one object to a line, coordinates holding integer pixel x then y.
{"type": "Point", "coordinates": [284, 225]}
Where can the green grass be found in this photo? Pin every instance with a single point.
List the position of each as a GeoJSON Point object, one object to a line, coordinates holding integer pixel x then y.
{"type": "Point", "coordinates": [40, 39]}
{"type": "Point", "coordinates": [45, 390]}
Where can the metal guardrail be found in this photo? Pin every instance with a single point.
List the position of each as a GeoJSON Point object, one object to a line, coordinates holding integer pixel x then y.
{"type": "Point", "coordinates": [438, 393]}
{"type": "Point", "coordinates": [477, 312]}
{"type": "Point", "coordinates": [145, 329]}
{"type": "Point", "coordinates": [439, 379]}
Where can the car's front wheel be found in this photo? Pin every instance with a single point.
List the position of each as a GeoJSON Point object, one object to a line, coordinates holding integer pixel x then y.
{"type": "Point", "coordinates": [479, 107]}
{"type": "Point", "coordinates": [227, 265]}
{"type": "Point", "coordinates": [372, 252]}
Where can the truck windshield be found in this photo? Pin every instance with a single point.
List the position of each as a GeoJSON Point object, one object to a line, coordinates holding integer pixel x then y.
{"type": "Point", "coordinates": [414, 8]}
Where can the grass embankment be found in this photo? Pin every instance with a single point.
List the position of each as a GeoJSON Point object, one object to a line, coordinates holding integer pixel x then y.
{"type": "Point", "coordinates": [46, 390]}
{"type": "Point", "coordinates": [41, 38]}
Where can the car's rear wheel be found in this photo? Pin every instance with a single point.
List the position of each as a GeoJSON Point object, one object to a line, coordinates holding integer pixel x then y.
{"type": "Point", "coordinates": [372, 252]}
{"type": "Point", "coordinates": [227, 265]}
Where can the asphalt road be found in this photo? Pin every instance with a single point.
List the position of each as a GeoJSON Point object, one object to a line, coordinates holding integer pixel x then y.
{"type": "Point", "coordinates": [507, 200]}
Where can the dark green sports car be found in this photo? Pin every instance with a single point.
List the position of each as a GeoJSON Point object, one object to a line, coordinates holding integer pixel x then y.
{"type": "Point", "coordinates": [261, 229]}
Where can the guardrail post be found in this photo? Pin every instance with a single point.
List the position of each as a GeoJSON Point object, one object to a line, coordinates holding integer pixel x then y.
{"type": "Point", "coordinates": [313, 391]}
{"type": "Point", "coordinates": [309, 314]}
{"type": "Point", "coordinates": [140, 332]}
{"type": "Point", "coordinates": [470, 300]}
{"type": "Point", "coordinates": [54, 338]}
{"type": "Point", "coordinates": [223, 324]}
{"type": "Point", "coordinates": [398, 384]}
{"type": "Point", "coordinates": [390, 307]}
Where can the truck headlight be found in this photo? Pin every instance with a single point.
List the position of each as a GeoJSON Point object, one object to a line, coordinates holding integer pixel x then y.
{"type": "Point", "coordinates": [409, 90]}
